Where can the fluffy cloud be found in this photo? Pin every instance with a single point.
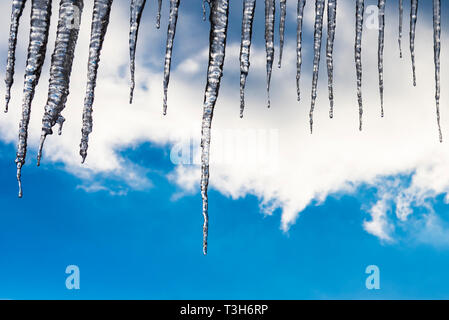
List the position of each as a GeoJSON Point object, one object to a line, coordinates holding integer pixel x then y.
{"type": "Point", "coordinates": [305, 168]}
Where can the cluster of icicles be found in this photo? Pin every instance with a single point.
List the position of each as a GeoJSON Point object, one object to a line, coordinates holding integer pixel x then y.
{"type": "Point", "coordinates": [67, 35]}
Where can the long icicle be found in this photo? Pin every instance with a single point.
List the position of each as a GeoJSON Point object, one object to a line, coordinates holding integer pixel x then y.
{"type": "Point", "coordinates": [283, 9]}
{"type": "Point", "coordinates": [413, 18]}
{"type": "Point", "coordinates": [217, 46]}
{"type": "Point", "coordinates": [317, 35]}
{"type": "Point", "coordinates": [300, 18]}
{"type": "Point", "coordinates": [249, 7]}
{"type": "Point", "coordinates": [331, 25]}
{"type": "Point", "coordinates": [436, 49]}
{"type": "Point", "coordinates": [40, 25]}
{"type": "Point", "coordinates": [136, 9]}
{"type": "Point", "coordinates": [401, 15]}
{"type": "Point", "coordinates": [380, 53]}
{"type": "Point", "coordinates": [171, 31]}
{"type": "Point", "coordinates": [158, 18]}
{"type": "Point", "coordinates": [61, 67]}
{"type": "Point", "coordinates": [16, 13]}
{"type": "Point", "coordinates": [269, 41]}
{"type": "Point", "coordinates": [100, 21]}
{"type": "Point", "coordinates": [360, 8]}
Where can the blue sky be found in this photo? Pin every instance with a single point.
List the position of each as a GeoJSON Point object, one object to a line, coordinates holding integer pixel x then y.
{"type": "Point", "coordinates": [132, 223]}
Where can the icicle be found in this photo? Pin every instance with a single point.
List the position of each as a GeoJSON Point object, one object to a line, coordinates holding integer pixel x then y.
{"type": "Point", "coordinates": [174, 5]}
{"type": "Point", "coordinates": [137, 7]}
{"type": "Point", "coordinates": [300, 17]}
{"type": "Point", "coordinates": [317, 35]}
{"type": "Point", "coordinates": [100, 21]}
{"type": "Point", "coordinates": [436, 49]}
{"type": "Point", "coordinates": [401, 14]}
{"type": "Point", "coordinates": [283, 7]}
{"type": "Point", "coordinates": [380, 53]}
{"type": "Point", "coordinates": [40, 24]}
{"type": "Point", "coordinates": [218, 33]}
{"type": "Point", "coordinates": [269, 41]}
{"type": "Point", "coordinates": [17, 10]}
{"type": "Point", "coordinates": [360, 8]}
{"type": "Point", "coordinates": [413, 18]}
{"type": "Point", "coordinates": [249, 7]}
{"type": "Point", "coordinates": [204, 8]}
{"type": "Point", "coordinates": [158, 18]}
{"type": "Point", "coordinates": [61, 67]}
{"type": "Point", "coordinates": [331, 24]}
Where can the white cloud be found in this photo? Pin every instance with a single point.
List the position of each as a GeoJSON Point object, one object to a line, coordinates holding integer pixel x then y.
{"type": "Point", "coordinates": [336, 158]}
{"type": "Point", "coordinates": [378, 225]}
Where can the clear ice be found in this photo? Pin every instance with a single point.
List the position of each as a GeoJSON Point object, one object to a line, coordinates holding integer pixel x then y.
{"type": "Point", "coordinates": [61, 67]}
{"type": "Point", "coordinates": [40, 25]}
{"type": "Point", "coordinates": [100, 21]}
{"type": "Point", "coordinates": [217, 47]}
{"type": "Point", "coordinates": [249, 7]}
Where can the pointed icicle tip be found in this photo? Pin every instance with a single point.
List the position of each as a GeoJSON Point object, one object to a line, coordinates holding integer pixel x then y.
{"type": "Point", "coordinates": [41, 145]}
{"type": "Point", "coordinates": [269, 41]}
{"type": "Point", "coordinates": [83, 158]}
{"type": "Point", "coordinates": [171, 31]}
{"type": "Point", "coordinates": [131, 94]}
{"type": "Point", "coordinates": [158, 18]}
{"type": "Point", "coordinates": [205, 234]}
{"type": "Point", "coordinates": [283, 8]}
{"type": "Point", "coordinates": [401, 14]}
{"type": "Point", "coordinates": [19, 180]}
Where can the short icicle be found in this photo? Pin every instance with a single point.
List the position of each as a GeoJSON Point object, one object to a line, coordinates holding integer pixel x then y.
{"type": "Point", "coordinates": [436, 49]}
{"type": "Point", "coordinates": [158, 17]}
{"type": "Point", "coordinates": [317, 35]}
{"type": "Point", "coordinates": [401, 16]}
{"type": "Point", "coordinates": [283, 9]}
{"type": "Point", "coordinates": [16, 13]}
{"type": "Point", "coordinates": [100, 21]}
{"type": "Point", "coordinates": [174, 6]}
{"type": "Point", "coordinates": [380, 53]}
{"type": "Point", "coordinates": [269, 41]}
{"type": "Point", "coordinates": [413, 18]}
{"type": "Point", "coordinates": [360, 8]}
{"type": "Point", "coordinates": [61, 67]}
{"type": "Point", "coordinates": [217, 46]}
{"type": "Point", "coordinates": [249, 7]}
{"type": "Point", "coordinates": [137, 7]}
{"type": "Point", "coordinates": [300, 18]}
{"type": "Point", "coordinates": [331, 25]}
{"type": "Point", "coordinates": [40, 25]}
